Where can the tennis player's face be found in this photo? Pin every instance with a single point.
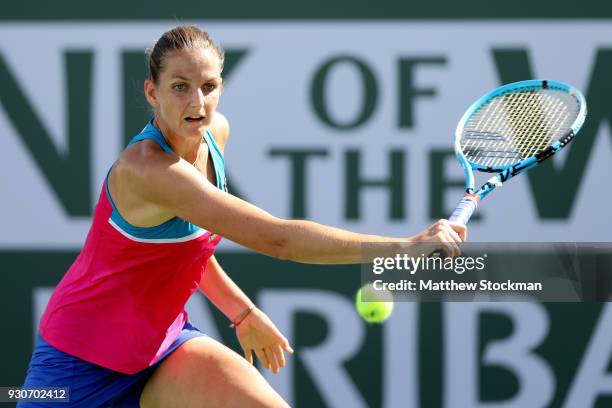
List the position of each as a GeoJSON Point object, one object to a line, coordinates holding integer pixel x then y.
{"type": "Point", "coordinates": [187, 92]}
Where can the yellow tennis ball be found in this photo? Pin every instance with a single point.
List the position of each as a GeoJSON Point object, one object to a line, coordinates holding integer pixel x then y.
{"type": "Point", "coordinates": [377, 306]}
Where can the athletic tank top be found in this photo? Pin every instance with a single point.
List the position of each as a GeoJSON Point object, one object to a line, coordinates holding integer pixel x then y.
{"type": "Point", "coordinates": [121, 303]}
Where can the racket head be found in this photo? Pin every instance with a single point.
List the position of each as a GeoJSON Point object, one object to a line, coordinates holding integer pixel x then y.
{"type": "Point", "coordinates": [517, 126]}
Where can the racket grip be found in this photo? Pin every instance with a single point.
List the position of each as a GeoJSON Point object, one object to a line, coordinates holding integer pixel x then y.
{"type": "Point", "coordinates": [464, 210]}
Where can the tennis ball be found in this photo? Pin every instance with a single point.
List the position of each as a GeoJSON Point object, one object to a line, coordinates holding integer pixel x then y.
{"type": "Point", "coordinates": [377, 306]}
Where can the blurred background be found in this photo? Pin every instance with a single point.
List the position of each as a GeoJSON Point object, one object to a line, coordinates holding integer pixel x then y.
{"type": "Point", "coordinates": [342, 112]}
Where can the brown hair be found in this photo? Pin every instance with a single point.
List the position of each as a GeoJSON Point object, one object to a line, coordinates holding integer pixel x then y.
{"type": "Point", "coordinates": [177, 39]}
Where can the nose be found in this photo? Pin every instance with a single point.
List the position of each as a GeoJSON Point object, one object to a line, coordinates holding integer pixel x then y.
{"type": "Point", "coordinates": [198, 100]}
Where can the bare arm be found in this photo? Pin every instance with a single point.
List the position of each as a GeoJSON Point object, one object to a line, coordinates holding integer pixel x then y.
{"type": "Point", "coordinates": [256, 333]}
{"type": "Point", "coordinates": [174, 185]}
{"type": "Point", "coordinates": [222, 291]}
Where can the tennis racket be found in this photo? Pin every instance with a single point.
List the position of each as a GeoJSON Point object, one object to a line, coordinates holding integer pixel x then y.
{"type": "Point", "coordinates": [511, 130]}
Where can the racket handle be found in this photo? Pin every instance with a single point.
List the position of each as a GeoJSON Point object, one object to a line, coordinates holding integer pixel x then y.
{"type": "Point", "coordinates": [464, 210]}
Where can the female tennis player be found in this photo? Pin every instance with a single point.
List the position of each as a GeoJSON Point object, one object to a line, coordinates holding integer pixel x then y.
{"type": "Point", "coordinates": [115, 331]}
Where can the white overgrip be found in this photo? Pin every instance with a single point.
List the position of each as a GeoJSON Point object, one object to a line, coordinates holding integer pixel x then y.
{"type": "Point", "coordinates": [464, 210]}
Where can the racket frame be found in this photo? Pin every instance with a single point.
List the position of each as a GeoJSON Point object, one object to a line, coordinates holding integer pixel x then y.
{"type": "Point", "coordinates": [472, 197]}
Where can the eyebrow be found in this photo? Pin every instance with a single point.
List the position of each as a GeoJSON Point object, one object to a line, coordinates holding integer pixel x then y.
{"type": "Point", "coordinates": [182, 78]}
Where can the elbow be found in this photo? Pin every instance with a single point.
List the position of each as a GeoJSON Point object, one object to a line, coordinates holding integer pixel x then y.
{"type": "Point", "coordinates": [279, 244]}
{"type": "Point", "coordinates": [280, 249]}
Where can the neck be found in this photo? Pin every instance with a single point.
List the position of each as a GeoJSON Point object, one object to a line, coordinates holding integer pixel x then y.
{"type": "Point", "coordinates": [185, 148]}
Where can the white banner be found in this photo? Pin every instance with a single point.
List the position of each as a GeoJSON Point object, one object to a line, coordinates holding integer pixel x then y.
{"type": "Point", "coordinates": [339, 100]}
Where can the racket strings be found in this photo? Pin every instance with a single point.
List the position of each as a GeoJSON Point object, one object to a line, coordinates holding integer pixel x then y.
{"type": "Point", "coordinates": [517, 125]}
{"type": "Point", "coordinates": [530, 117]}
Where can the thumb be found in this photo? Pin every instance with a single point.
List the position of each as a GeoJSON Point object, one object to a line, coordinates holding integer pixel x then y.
{"type": "Point", "coordinates": [460, 229]}
{"type": "Point", "coordinates": [285, 345]}
{"type": "Point", "coordinates": [248, 355]}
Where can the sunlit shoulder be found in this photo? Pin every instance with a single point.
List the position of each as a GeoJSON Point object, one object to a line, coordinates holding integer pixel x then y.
{"type": "Point", "coordinates": [220, 130]}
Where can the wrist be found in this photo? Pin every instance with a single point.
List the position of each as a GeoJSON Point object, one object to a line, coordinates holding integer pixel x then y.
{"type": "Point", "coordinates": [241, 316]}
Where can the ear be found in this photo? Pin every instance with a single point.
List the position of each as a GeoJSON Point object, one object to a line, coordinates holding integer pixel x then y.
{"type": "Point", "coordinates": [150, 92]}
{"type": "Point", "coordinates": [221, 86]}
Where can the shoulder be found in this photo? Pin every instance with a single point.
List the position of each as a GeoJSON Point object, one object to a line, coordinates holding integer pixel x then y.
{"type": "Point", "coordinates": [138, 161]}
{"type": "Point", "coordinates": [220, 130]}
{"type": "Point", "coordinates": [147, 174]}
{"type": "Point", "coordinates": [141, 153]}
{"type": "Point", "coordinates": [134, 181]}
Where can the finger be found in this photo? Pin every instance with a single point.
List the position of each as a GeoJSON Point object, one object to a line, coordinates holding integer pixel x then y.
{"type": "Point", "coordinates": [272, 359]}
{"type": "Point", "coordinates": [453, 249]}
{"type": "Point", "coordinates": [262, 357]}
{"type": "Point", "coordinates": [460, 229]}
{"type": "Point", "coordinates": [454, 228]}
{"type": "Point", "coordinates": [446, 237]}
{"type": "Point", "coordinates": [449, 247]}
{"type": "Point", "coordinates": [452, 234]}
{"type": "Point", "coordinates": [284, 343]}
{"type": "Point", "coordinates": [445, 251]}
{"type": "Point", "coordinates": [278, 353]}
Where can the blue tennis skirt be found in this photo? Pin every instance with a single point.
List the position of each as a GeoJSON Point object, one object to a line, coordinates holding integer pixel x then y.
{"type": "Point", "coordinates": [90, 385]}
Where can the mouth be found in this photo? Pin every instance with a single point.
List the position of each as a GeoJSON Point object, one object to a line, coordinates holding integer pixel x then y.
{"type": "Point", "coordinates": [195, 119]}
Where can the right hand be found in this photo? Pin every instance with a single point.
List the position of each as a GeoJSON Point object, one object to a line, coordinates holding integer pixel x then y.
{"type": "Point", "coordinates": [443, 236]}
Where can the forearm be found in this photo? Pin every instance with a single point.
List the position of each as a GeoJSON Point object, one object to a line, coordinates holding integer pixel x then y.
{"type": "Point", "coordinates": [309, 242]}
{"type": "Point", "coordinates": [222, 291]}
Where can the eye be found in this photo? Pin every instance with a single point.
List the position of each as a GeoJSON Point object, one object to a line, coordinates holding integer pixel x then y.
{"type": "Point", "coordinates": [180, 87]}
{"type": "Point", "coordinates": [208, 88]}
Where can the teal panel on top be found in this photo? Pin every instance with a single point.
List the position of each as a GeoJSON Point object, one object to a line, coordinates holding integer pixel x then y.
{"type": "Point", "coordinates": [190, 10]}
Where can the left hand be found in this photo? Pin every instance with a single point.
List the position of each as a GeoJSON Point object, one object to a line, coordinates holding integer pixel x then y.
{"type": "Point", "coordinates": [256, 333]}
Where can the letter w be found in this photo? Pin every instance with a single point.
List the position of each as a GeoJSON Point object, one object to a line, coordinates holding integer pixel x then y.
{"type": "Point", "coordinates": [68, 173]}
{"type": "Point", "coordinates": [556, 202]}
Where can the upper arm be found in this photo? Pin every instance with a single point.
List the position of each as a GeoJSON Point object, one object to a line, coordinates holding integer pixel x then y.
{"type": "Point", "coordinates": [172, 184]}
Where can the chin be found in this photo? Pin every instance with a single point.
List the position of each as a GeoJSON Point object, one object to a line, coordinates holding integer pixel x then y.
{"type": "Point", "coordinates": [196, 133]}
{"type": "Point", "coordinates": [194, 130]}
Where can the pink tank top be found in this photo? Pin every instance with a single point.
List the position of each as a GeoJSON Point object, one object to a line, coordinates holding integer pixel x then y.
{"type": "Point", "coordinates": [121, 303]}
